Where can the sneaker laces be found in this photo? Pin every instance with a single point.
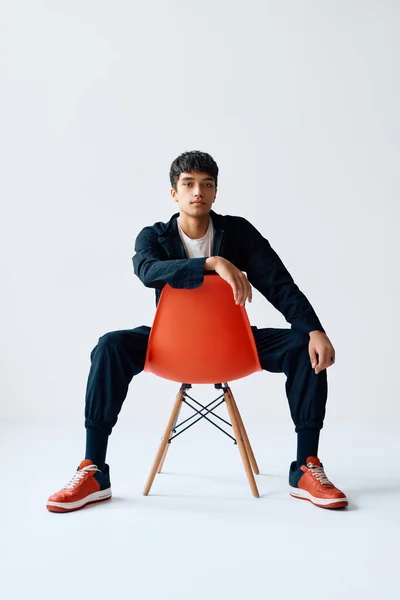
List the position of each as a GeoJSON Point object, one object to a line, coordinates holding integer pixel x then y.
{"type": "Point", "coordinates": [79, 475]}
{"type": "Point", "coordinates": [319, 473]}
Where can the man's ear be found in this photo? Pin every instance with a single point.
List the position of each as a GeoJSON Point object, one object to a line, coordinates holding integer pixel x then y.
{"type": "Point", "coordinates": [173, 193]}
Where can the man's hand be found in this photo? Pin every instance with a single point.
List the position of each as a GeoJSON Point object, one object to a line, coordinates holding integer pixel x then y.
{"type": "Point", "coordinates": [321, 351]}
{"type": "Point", "coordinates": [236, 279]}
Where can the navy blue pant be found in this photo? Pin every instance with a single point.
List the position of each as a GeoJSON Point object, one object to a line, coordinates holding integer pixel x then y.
{"type": "Point", "coordinates": [120, 355]}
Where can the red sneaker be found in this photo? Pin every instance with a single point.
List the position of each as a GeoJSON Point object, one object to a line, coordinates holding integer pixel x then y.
{"type": "Point", "coordinates": [88, 485]}
{"type": "Point", "coordinates": [309, 482]}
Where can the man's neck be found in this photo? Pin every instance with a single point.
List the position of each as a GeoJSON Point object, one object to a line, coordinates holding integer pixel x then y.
{"type": "Point", "coordinates": [194, 228]}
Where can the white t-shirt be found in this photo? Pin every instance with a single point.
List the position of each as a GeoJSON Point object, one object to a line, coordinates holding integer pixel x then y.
{"type": "Point", "coordinates": [201, 247]}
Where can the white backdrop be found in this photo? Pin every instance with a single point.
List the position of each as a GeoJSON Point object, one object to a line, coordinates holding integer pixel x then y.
{"type": "Point", "coordinates": [298, 101]}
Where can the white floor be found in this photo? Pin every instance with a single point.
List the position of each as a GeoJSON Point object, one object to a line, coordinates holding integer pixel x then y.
{"type": "Point", "coordinates": [200, 534]}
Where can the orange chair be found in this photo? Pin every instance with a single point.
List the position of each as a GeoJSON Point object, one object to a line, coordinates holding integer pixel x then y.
{"type": "Point", "coordinates": [202, 336]}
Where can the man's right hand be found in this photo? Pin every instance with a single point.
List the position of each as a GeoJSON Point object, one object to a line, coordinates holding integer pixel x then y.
{"type": "Point", "coordinates": [236, 279]}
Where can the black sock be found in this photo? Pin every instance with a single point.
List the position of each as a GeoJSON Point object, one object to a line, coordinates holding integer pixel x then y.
{"type": "Point", "coordinates": [96, 446]}
{"type": "Point", "coordinates": [307, 445]}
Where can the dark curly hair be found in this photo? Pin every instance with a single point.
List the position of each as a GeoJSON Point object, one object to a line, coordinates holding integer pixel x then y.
{"type": "Point", "coordinates": [193, 161]}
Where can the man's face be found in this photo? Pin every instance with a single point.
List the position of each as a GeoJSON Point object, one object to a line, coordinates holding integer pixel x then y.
{"type": "Point", "coordinates": [195, 193]}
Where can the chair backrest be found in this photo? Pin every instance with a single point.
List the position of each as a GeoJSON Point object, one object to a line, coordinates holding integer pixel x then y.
{"type": "Point", "coordinates": [201, 335]}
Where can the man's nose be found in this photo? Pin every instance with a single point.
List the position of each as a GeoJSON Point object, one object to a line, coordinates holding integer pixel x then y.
{"type": "Point", "coordinates": [197, 191]}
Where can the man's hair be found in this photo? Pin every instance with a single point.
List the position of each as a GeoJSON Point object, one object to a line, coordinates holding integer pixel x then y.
{"type": "Point", "coordinates": [193, 161]}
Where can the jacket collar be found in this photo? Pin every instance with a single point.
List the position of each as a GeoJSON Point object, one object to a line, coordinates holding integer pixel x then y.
{"type": "Point", "coordinates": [171, 227]}
{"type": "Point", "coordinates": [172, 237]}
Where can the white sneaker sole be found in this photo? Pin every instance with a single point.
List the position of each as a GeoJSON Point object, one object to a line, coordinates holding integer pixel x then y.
{"type": "Point", "coordinates": [322, 502]}
{"type": "Point", "coordinates": [69, 506]}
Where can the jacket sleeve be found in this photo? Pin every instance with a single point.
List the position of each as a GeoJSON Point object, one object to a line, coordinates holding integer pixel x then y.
{"type": "Point", "coordinates": [267, 273]}
{"type": "Point", "coordinates": [154, 272]}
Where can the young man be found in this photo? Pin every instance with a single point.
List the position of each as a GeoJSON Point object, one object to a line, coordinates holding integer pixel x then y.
{"type": "Point", "coordinates": [178, 253]}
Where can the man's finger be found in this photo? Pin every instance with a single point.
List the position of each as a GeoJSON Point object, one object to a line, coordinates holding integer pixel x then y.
{"type": "Point", "coordinates": [329, 361]}
{"type": "Point", "coordinates": [239, 288]}
{"type": "Point", "coordinates": [323, 361]}
{"type": "Point", "coordinates": [235, 289]}
{"type": "Point", "coordinates": [313, 358]}
{"type": "Point", "coordinates": [247, 289]}
{"type": "Point", "coordinates": [242, 290]}
{"type": "Point", "coordinates": [239, 292]}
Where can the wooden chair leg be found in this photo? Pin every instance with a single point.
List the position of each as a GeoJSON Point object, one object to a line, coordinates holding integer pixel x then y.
{"type": "Point", "coordinates": [160, 466]}
{"type": "Point", "coordinates": [164, 456]}
{"type": "Point", "coordinates": [245, 437]}
{"type": "Point", "coordinates": [164, 442]}
{"type": "Point", "coordinates": [240, 443]}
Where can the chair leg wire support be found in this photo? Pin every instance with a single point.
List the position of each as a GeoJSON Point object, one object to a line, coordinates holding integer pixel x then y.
{"type": "Point", "coordinates": [240, 435]}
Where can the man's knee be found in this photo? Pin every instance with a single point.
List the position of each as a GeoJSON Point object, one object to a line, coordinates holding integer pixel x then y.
{"type": "Point", "coordinates": [112, 338]}
{"type": "Point", "coordinates": [130, 341]}
{"type": "Point", "coordinates": [299, 339]}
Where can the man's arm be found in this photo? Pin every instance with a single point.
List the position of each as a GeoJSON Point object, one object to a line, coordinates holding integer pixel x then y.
{"type": "Point", "coordinates": [154, 272]}
{"type": "Point", "coordinates": [267, 273]}
{"type": "Point", "coordinates": [320, 349]}
{"type": "Point", "coordinates": [236, 279]}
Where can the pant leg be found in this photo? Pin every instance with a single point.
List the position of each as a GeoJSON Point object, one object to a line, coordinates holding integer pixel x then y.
{"type": "Point", "coordinates": [117, 358]}
{"type": "Point", "coordinates": [286, 351]}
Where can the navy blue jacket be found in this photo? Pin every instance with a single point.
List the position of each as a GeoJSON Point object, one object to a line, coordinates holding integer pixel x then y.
{"type": "Point", "coordinates": [160, 258]}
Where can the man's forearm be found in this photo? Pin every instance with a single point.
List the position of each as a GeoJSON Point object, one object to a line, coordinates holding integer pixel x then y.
{"type": "Point", "coordinates": [178, 273]}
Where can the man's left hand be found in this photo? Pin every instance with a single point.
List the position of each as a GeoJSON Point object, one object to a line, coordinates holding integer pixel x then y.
{"type": "Point", "coordinates": [321, 351]}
